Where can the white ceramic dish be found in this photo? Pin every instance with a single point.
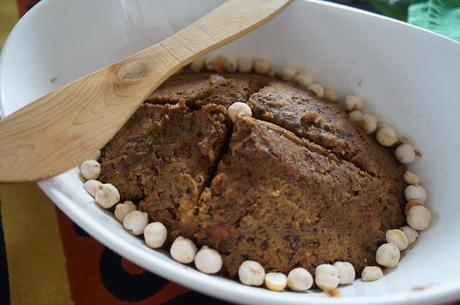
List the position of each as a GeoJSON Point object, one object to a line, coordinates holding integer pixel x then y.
{"type": "Point", "coordinates": [410, 76]}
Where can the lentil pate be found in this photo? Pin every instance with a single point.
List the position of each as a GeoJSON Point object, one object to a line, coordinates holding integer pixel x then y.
{"type": "Point", "coordinates": [297, 185]}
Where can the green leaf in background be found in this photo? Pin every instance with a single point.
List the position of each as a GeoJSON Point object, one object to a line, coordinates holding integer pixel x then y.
{"type": "Point", "coordinates": [392, 8]}
{"type": "Point", "coordinates": [441, 16]}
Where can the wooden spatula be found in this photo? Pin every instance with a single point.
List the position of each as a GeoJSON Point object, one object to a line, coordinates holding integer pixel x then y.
{"type": "Point", "coordinates": [60, 130]}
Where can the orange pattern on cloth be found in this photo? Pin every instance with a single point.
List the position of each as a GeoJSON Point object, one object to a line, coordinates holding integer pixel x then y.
{"type": "Point", "coordinates": [25, 5]}
{"type": "Point", "coordinates": [97, 273]}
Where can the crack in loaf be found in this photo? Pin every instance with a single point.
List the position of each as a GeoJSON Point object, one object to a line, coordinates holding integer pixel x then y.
{"type": "Point", "coordinates": [297, 185]}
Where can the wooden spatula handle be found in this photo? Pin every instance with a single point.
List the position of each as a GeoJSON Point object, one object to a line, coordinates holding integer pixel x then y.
{"type": "Point", "coordinates": [68, 125]}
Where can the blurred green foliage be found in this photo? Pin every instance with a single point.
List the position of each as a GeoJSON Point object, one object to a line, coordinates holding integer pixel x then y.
{"type": "Point", "coordinates": [392, 8]}
{"type": "Point", "coordinates": [441, 16]}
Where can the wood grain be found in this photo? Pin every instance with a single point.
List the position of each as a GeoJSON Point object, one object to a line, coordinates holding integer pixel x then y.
{"type": "Point", "coordinates": [65, 127]}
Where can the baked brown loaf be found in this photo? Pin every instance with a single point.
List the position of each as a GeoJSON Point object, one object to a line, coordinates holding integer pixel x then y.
{"type": "Point", "coordinates": [297, 185]}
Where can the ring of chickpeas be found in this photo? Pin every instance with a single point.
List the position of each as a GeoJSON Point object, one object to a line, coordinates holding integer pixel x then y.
{"type": "Point", "coordinates": [252, 273]}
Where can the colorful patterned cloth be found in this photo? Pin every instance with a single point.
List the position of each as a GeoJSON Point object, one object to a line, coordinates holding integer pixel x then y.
{"type": "Point", "coordinates": [45, 259]}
